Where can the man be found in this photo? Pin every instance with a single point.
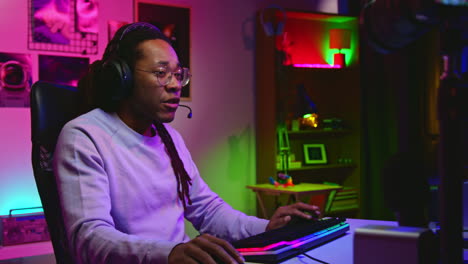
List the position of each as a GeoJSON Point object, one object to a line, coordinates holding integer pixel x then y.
{"type": "Point", "coordinates": [126, 179]}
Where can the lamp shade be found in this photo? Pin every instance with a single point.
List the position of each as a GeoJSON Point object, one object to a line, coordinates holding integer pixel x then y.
{"type": "Point", "coordinates": [340, 38]}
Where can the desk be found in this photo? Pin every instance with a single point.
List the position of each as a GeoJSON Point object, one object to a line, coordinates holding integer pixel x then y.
{"type": "Point", "coordinates": [33, 253]}
{"type": "Point", "coordinates": [340, 250]}
{"type": "Point", "coordinates": [294, 192]}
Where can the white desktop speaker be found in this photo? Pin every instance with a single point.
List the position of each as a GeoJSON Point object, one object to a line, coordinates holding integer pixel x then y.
{"type": "Point", "coordinates": [394, 244]}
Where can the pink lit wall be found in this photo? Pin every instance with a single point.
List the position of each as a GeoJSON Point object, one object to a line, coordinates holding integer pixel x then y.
{"type": "Point", "coordinates": [221, 132]}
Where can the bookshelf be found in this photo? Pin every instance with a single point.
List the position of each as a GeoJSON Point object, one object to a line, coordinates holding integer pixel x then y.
{"type": "Point", "coordinates": [335, 91]}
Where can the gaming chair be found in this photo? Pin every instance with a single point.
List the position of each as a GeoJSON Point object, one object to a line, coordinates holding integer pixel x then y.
{"type": "Point", "coordinates": [52, 106]}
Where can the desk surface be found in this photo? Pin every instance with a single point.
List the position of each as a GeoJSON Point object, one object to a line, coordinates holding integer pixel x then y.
{"type": "Point", "coordinates": [340, 250]}
{"type": "Point", "coordinates": [298, 188]}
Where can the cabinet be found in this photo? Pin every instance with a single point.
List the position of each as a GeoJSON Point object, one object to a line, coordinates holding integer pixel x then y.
{"type": "Point", "coordinates": [335, 92]}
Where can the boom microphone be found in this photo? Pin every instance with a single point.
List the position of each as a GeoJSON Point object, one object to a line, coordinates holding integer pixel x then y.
{"type": "Point", "coordinates": [190, 110]}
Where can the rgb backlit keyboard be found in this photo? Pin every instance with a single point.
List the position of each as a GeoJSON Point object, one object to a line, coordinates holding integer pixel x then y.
{"type": "Point", "coordinates": [290, 240]}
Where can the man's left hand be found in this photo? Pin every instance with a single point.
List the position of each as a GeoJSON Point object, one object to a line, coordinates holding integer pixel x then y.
{"type": "Point", "coordinates": [283, 214]}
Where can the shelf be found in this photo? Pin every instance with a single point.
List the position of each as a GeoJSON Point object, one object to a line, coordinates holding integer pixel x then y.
{"type": "Point", "coordinates": [320, 167]}
{"type": "Point", "coordinates": [335, 92]}
{"type": "Point", "coordinates": [309, 132]}
{"type": "Point", "coordinates": [33, 252]}
{"type": "Point", "coordinates": [305, 70]}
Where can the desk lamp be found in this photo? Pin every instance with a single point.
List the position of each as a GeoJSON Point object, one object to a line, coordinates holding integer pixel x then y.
{"type": "Point", "coordinates": [340, 39]}
{"type": "Point", "coordinates": [283, 147]}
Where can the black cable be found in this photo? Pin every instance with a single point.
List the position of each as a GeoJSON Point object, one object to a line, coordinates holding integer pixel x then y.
{"type": "Point", "coordinates": [318, 260]}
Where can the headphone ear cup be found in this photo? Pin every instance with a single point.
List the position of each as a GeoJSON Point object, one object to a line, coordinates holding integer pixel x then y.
{"type": "Point", "coordinates": [116, 79]}
{"type": "Point", "coordinates": [126, 77]}
{"type": "Point", "coordinates": [268, 27]}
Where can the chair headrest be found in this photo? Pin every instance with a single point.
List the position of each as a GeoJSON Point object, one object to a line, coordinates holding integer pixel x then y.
{"type": "Point", "coordinates": [52, 106]}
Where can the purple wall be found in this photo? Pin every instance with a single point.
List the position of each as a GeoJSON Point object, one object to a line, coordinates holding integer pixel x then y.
{"type": "Point", "coordinates": [223, 122]}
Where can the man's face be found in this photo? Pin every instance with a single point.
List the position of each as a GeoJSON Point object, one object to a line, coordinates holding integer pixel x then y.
{"type": "Point", "coordinates": [151, 100]}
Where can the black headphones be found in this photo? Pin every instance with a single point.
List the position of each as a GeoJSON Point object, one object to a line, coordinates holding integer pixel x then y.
{"type": "Point", "coordinates": [115, 75]}
{"type": "Point", "coordinates": [268, 26]}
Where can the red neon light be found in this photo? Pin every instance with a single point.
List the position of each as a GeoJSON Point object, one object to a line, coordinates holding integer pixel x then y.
{"type": "Point", "coordinates": [316, 65]}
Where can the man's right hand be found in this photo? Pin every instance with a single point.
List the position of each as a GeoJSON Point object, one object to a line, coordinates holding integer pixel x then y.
{"type": "Point", "coordinates": [205, 249]}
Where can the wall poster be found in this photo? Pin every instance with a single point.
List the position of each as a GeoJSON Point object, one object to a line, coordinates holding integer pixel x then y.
{"type": "Point", "coordinates": [15, 79]}
{"type": "Point", "coordinates": [71, 69]}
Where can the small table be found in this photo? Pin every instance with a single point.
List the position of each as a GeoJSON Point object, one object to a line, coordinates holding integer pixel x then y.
{"type": "Point", "coordinates": [293, 191]}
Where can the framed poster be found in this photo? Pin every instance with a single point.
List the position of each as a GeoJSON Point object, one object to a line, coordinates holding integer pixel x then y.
{"type": "Point", "coordinates": [315, 154]}
{"type": "Point", "coordinates": [15, 79]}
{"type": "Point", "coordinates": [71, 69]}
{"type": "Point", "coordinates": [65, 26]}
{"type": "Point", "coordinates": [174, 22]}
{"type": "Point", "coordinates": [112, 27]}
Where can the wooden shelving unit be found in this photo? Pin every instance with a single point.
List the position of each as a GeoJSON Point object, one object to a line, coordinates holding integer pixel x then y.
{"type": "Point", "coordinates": [336, 92]}
{"type": "Point", "coordinates": [322, 167]}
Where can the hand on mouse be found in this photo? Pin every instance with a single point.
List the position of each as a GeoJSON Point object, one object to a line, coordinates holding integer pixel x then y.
{"type": "Point", "coordinates": [284, 214]}
{"type": "Point", "coordinates": [205, 249]}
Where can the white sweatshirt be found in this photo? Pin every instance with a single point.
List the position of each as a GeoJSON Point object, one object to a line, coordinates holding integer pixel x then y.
{"type": "Point", "coordinates": [119, 194]}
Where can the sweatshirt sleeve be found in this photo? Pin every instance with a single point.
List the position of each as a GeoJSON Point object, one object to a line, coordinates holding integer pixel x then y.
{"type": "Point", "coordinates": [208, 212]}
{"type": "Point", "coordinates": [86, 204]}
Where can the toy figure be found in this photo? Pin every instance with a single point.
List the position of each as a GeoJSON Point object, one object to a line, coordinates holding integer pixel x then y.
{"type": "Point", "coordinates": [284, 180]}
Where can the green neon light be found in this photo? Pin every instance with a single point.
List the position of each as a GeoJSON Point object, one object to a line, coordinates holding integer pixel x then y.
{"type": "Point", "coordinates": [349, 53]}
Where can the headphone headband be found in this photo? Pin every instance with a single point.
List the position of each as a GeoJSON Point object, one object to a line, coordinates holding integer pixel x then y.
{"type": "Point", "coordinates": [138, 25]}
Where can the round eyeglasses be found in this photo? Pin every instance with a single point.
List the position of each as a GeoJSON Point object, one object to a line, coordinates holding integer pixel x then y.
{"type": "Point", "coordinates": [164, 76]}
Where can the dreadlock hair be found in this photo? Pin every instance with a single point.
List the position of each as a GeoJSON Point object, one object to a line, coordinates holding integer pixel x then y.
{"type": "Point", "coordinates": [101, 89]}
{"type": "Point", "coordinates": [183, 179]}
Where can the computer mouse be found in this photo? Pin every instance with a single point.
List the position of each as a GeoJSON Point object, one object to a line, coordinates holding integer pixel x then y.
{"type": "Point", "coordinates": [298, 220]}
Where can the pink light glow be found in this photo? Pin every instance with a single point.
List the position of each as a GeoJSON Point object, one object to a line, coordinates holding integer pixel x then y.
{"type": "Point", "coordinates": [315, 65]}
{"type": "Point", "coordinates": [290, 243]}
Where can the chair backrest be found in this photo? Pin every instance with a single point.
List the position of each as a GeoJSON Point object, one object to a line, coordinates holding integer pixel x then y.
{"type": "Point", "coordinates": [52, 105]}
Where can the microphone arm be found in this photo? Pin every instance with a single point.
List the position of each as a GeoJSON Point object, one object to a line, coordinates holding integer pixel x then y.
{"type": "Point", "coordinates": [190, 110]}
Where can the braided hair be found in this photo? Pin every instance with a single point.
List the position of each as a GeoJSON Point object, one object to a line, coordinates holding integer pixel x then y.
{"type": "Point", "coordinates": [183, 179]}
{"type": "Point", "coordinates": [123, 46]}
